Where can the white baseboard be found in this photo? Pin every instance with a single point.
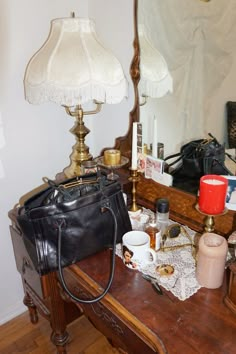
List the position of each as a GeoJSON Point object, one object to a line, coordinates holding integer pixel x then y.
{"type": "Point", "coordinates": [12, 312]}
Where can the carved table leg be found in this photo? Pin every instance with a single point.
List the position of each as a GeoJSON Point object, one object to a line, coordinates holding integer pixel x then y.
{"type": "Point", "coordinates": [60, 341]}
{"type": "Point", "coordinates": [59, 336]}
{"type": "Point", "coordinates": [31, 308]}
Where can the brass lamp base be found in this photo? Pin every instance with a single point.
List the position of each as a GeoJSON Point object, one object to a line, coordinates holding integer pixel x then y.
{"type": "Point", "coordinates": [80, 151]}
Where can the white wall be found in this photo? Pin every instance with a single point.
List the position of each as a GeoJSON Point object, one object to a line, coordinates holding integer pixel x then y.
{"type": "Point", "coordinates": [38, 141]}
{"type": "Point", "coordinates": [116, 30]}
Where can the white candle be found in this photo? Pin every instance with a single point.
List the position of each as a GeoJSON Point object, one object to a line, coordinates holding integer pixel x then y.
{"type": "Point", "coordinates": [154, 141]}
{"type": "Point", "coordinates": [134, 147]}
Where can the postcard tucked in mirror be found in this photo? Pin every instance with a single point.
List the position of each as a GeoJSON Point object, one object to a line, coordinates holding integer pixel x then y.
{"type": "Point", "coordinates": [154, 169]}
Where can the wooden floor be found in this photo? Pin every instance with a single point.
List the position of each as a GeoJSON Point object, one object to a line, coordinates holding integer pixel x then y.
{"type": "Point", "coordinates": [20, 336]}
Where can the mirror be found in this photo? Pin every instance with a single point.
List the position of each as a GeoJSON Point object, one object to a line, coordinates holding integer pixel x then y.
{"type": "Point", "coordinates": [182, 205]}
{"type": "Point", "coordinates": [196, 39]}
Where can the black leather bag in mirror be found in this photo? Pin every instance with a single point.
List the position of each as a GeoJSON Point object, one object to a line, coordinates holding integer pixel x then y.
{"type": "Point", "coordinates": [69, 221]}
{"type": "Point", "coordinates": [196, 159]}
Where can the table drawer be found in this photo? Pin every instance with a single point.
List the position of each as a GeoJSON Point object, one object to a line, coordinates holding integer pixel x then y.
{"type": "Point", "coordinates": [24, 264]}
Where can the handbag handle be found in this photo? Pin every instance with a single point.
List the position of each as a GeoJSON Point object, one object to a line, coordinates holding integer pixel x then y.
{"type": "Point", "coordinates": [179, 156]}
{"type": "Point", "coordinates": [112, 269]}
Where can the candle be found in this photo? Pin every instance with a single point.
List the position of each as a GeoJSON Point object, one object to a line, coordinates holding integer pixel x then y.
{"type": "Point", "coordinates": [112, 157]}
{"type": "Point", "coordinates": [212, 194]}
{"type": "Point", "coordinates": [211, 260]}
{"type": "Point", "coordinates": [134, 148]}
{"type": "Point", "coordinates": [154, 141]}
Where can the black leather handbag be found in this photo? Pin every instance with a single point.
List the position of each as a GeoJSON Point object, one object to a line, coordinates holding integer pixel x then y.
{"type": "Point", "coordinates": [196, 159]}
{"type": "Point", "coordinates": [69, 221]}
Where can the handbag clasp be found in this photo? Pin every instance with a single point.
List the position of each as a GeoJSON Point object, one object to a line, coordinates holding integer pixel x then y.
{"type": "Point", "coordinates": [79, 182]}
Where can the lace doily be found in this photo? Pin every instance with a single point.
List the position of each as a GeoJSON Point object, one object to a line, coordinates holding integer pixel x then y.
{"type": "Point", "coordinates": [182, 283]}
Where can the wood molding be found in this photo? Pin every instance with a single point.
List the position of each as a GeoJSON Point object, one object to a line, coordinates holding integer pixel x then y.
{"type": "Point", "coordinates": [182, 206]}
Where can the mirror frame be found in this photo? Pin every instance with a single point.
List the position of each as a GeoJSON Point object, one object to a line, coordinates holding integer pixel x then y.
{"type": "Point", "coordinates": [182, 204]}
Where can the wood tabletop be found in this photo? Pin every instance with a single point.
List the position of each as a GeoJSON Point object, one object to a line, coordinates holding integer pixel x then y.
{"type": "Point", "coordinates": [200, 324]}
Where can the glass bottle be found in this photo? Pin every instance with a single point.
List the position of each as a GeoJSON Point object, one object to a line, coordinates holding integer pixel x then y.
{"type": "Point", "coordinates": [154, 233]}
{"type": "Point", "coordinates": [162, 213]}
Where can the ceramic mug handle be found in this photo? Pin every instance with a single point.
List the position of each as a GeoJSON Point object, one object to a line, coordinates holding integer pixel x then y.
{"type": "Point", "coordinates": [153, 254]}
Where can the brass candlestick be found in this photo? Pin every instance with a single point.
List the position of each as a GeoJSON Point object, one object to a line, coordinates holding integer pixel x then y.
{"type": "Point", "coordinates": [134, 178]}
{"type": "Point", "coordinates": [112, 176]}
{"type": "Point", "coordinates": [209, 220]}
{"type": "Point", "coordinates": [209, 223]}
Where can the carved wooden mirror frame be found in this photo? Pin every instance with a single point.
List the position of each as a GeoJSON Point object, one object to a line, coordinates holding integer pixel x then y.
{"type": "Point", "coordinates": [182, 205]}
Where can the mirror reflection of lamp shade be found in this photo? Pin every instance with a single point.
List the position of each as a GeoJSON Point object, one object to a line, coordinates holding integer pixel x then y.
{"type": "Point", "coordinates": [156, 80]}
{"type": "Point", "coordinates": [72, 67]}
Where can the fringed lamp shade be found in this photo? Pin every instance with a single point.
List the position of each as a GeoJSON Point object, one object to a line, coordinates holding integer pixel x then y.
{"type": "Point", "coordinates": [72, 67]}
{"type": "Point", "coordinates": [156, 80]}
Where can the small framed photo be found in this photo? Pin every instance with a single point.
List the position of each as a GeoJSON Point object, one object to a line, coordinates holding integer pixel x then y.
{"type": "Point", "coordinates": [141, 161]}
{"type": "Point", "coordinates": [231, 193]}
{"type": "Point", "coordinates": [153, 166]}
{"type": "Point", "coordinates": [139, 129]}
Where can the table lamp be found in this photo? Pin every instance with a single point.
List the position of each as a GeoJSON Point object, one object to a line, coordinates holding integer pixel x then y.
{"type": "Point", "coordinates": [72, 68]}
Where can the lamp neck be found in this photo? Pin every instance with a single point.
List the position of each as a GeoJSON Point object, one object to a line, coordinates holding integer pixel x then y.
{"type": "Point", "coordinates": [79, 112]}
{"type": "Point", "coordinates": [80, 149]}
{"type": "Point", "coordinates": [76, 112]}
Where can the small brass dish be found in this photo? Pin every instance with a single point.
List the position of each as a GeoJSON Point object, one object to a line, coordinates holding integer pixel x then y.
{"type": "Point", "coordinates": [165, 270]}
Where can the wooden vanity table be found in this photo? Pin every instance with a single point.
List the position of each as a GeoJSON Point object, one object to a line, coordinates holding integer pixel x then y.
{"type": "Point", "coordinates": [132, 315]}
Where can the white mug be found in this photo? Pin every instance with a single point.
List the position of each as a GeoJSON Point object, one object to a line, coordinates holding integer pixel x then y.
{"type": "Point", "coordinates": [136, 249]}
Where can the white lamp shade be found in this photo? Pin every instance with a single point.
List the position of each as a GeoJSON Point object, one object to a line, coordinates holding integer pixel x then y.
{"type": "Point", "coordinates": [72, 67]}
{"type": "Point", "coordinates": [156, 80]}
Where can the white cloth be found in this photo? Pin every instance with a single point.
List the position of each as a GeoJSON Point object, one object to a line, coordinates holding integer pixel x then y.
{"type": "Point", "coordinates": [197, 43]}
{"type": "Point", "coordinates": [182, 283]}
